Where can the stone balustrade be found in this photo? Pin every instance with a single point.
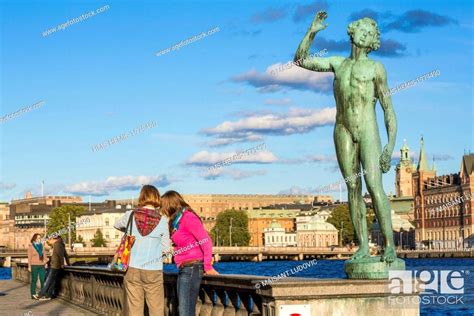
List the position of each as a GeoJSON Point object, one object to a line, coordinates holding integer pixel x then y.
{"type": "Point", "coordinates": [101, 291]}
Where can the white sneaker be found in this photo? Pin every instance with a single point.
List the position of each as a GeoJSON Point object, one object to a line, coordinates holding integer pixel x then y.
{"type": "Point", "coordinates": [44, 298]}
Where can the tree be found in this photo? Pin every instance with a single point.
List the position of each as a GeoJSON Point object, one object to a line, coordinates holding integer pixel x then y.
{"type": "Point", "coordinates": [341, 214]}
{"type": "Point", "coordinates": [222, 229]}
{"type": "Point", "coordinates": [370, 219]}
{"type": "Point", "coordinates": [58, 223]}
{"type": "Point", "coordinates": [98, 240]}
{"type": "Point", "coordinates": [80, 240]}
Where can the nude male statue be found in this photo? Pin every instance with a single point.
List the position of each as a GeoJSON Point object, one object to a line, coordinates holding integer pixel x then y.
{"type": "Point", "coordinates": [358, 83]}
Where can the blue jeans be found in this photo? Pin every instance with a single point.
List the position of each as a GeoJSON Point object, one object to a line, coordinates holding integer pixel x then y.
{"type": "Point", "coordinates": [51, 285]}
{"type": "Point", "coordinates": [189, 283]}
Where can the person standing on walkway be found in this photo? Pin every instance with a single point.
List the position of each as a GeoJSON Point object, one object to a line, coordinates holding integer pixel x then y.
{"type": "Point", "coordinates": [53, 281]}
{"type": "Point", "coordinates": [143, 280]}
{"type": "Point", "coordinates": [36, 264]}
{"type": "Point", "coordinates": [192, 250]}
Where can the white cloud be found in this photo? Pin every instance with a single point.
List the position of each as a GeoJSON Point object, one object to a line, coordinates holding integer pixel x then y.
{"type": "Point", "coordinates": [296, 190]}
{"type": "Point", "coordinates": [7, 186]}
{"type": "Point", "coordinates": [297, 120]}
{"type": "Point", "coordinates": [111, 184]}
{"type": "Point", "coordinates": [323, 158]}
{"type": "Point", "coordinates": [205, 158]}
{"type": "Point", "coordinates": [274, 79]}
{"type": "Point", "coordinates": [235, 174]}
{"type": "Point", "coordinates": [284, 101]}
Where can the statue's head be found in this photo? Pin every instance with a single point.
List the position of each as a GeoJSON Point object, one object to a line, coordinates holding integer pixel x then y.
{"type": "Point", "coordinates": [364, 33]}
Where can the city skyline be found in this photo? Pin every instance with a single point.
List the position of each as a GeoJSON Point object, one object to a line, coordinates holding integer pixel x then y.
{"type": "Point", "coordinates": [100, 78]}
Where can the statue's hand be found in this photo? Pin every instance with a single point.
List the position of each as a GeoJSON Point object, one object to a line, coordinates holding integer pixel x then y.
{"type": "Point", "coordinates": [385, 159]}
{"type": "Point", "coordinates": [318, 22]}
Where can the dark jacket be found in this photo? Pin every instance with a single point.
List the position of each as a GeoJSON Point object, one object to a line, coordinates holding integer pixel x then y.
{"type": "Point", "coordinates": [58, 256]}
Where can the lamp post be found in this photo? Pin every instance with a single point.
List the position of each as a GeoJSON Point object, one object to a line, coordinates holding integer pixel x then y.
{"type": "Point", "coordinates": [69, 229]}
{"type": "Point", "coordinates": [401, 239]}
{"type": "Point", "coordinates": [230, 232]}
{"type": "Point", "coordinates": [342, 228]}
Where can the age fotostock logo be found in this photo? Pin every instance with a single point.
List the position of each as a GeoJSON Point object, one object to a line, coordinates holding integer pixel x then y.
{"type": "Point", "coordinates": [435, 286]}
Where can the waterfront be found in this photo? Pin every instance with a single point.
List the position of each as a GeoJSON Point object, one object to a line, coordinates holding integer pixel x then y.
{"type": "Point", "coordinates": [327, 269]}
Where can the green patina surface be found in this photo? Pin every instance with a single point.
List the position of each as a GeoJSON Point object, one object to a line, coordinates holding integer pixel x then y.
{"type": "Point", "coordinates": [359, 82]}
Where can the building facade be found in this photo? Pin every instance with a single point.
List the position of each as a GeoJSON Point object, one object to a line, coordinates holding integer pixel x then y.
{"type": "Point", "coordinates": [444, 207]}
{"type": "Point", "coordinates": [103, 219]}
{"type": "Point", "coordinates": [403, 233]}
{"type": "Point", "coordinates": [276, 236]}
{"type": "Point", "coordinates": [28, 203]}
{"type": "Point", "coordinates": [6, 227]}
{"type": "Point", "coordinates": [261, 219]}
{"type": "Point", "coordinates": [31, 215]}
{"type": "Point", "coordinates": [316, 233]}
{"type": "Point", "coordinates": [209, 205]}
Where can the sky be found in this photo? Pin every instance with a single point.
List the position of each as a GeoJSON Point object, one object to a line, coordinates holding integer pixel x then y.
{"type": "Point", "coordinates": [176, 114]}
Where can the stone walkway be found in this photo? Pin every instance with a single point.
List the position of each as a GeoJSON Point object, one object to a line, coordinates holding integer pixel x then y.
{"type": "Point", "coordinates": [15, 301]}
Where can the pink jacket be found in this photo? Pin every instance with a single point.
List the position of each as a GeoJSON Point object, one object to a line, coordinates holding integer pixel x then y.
{"type": "Point", "coordinates": [192, 242]}
{"type": "Point", "coordinates": [33, 257]}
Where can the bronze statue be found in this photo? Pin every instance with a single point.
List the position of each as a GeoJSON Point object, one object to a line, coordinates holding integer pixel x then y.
{"type": "Point", "coordinates": [358, 83]}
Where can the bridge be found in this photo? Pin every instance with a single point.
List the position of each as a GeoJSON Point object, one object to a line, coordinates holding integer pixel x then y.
{"type": "Point", "coordinates": [260, 253]}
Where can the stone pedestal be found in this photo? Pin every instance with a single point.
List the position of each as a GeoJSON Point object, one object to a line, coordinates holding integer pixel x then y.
{"type": "Point", "coordinates": [336, 297]}
{"type": "Point", "coordinates": [371, 268]}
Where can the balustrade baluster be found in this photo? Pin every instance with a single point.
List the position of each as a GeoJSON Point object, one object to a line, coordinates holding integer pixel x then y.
{"type": "Point", "coordinates": [219, 307]}
{"type": "Point", "coordinates": [207, 302]}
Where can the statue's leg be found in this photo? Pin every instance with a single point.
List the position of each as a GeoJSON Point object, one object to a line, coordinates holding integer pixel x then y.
{"type": "Point", "coordinates": [348, 158]}
{"type": "Point", "coordinates": [370, 149]}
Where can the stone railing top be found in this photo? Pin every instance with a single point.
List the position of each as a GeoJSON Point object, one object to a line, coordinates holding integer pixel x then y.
{"type": "Point", "coordinates": [287, 288]}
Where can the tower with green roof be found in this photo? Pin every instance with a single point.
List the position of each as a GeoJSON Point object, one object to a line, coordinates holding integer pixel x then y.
{"type": "Point", "coordinates": [403, 172]}
{"type": "Point", "coordinates": [423, 163]}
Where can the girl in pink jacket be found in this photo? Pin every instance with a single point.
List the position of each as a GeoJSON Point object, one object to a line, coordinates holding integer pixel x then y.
{"type": "Point", "coordinates": [192, 250]}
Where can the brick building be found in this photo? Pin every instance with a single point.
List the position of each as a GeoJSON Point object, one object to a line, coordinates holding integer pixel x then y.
{"type": "Point", "coordinates": [444, 207]}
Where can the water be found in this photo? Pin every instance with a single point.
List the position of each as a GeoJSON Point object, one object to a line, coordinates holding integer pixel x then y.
{"type": "Point", "coordinates": [331, 269]}
{"type": "Point", "coordinates": [5, 273]}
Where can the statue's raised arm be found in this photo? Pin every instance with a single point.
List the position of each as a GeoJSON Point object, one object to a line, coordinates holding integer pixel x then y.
{"type": "Point", "coordinates": [302, 58]}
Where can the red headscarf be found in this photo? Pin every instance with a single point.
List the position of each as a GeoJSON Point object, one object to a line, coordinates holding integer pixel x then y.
{"type": "Point", "coordinates": [146, 220]}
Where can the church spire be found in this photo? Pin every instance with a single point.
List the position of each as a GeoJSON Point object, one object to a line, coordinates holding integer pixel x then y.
{"type": "Point", "coordinates": [422, 163]}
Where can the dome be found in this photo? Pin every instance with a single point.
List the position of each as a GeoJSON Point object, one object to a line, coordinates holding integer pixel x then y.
{"type": "Point", "coordinates": [275, 224]}
{"type": "Point", "coordinates": [317, 223]}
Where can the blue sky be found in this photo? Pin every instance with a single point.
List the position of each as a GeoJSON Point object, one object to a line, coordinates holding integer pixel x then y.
{"type": "Point", "coordinates": [100, 78]}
